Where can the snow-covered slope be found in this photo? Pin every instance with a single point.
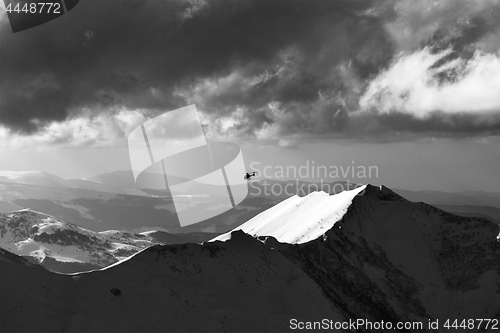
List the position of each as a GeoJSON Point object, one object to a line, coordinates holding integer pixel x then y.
{"type": "Point", "coordinates": [298, 220]}
{"type": "Point", "coordinates": [38, 235]}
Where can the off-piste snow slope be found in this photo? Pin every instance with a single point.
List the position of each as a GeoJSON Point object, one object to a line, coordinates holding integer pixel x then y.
{"type": "Point", "coordinates": [383, 258]}
{"type": "Point", "coordinates": [298, 220]}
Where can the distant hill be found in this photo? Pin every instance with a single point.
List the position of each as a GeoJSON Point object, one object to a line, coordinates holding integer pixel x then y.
{"type": "Point", "coordinates": [64, 247]}
{"type": "Point", "coordinates": [6, 207]}
{"type": "Point", "coordinates": [491, 213]}
{"type": "Point", "coordinates": [467, 198]}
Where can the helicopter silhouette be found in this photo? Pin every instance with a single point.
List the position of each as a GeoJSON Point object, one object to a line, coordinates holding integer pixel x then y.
{"type": "Point", "coordinates": [249, 175]}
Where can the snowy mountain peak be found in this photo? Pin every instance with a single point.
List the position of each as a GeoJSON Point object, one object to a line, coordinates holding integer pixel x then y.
{"type": "Point", "coordinates": [34, 234]}
{"type": "Point", "coordinates": [298, 220]}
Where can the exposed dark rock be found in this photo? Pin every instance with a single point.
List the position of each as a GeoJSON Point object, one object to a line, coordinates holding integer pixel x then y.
{"type": "Point", "coordinates": [117, 292]}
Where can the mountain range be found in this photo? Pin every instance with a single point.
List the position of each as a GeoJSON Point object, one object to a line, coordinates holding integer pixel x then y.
{"type": "Point", "coordinates": [365, 254]}
{"type": "Point", "coordinates": [113, 202]}
{"type": "Point", "coordinates": [108, 207]}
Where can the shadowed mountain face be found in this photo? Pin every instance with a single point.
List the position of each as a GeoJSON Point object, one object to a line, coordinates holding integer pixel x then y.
{"type": "Point", "coordinates": [467, 203]}
{"type": "Point", "coordinates": [394, 260]}
{"type": "Point", "coordinates": [386, 259]}
{"type": "Point", "coordinates": [6, 256]}
{"type": "Point", "coordinates": [238, 286]}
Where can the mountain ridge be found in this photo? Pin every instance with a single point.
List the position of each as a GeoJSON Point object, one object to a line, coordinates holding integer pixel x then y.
{"type": "Point", "coordinates": [387, 258]}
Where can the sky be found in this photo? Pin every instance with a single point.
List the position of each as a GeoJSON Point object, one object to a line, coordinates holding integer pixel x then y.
{"type": "Point", "coordinates": [411, 87]}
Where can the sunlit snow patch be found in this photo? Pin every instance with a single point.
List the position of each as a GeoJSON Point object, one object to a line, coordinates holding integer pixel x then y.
{"type": "Point", "coordinates": [298, 220]}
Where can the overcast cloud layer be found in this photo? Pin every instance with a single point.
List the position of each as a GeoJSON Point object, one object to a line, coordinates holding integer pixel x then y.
{"type": "Point", "coordinates": [362, 70]}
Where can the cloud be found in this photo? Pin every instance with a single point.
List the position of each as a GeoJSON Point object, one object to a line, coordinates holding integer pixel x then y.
{"type": "Point", "coordinates": [3, 14]}
{"type": "Point", "coordinates": [265, 70]}
{"type": "Point", "coordinates": [102, 130]}
{"type": "Point", "coordinates": [413, 24]}
{"type": "Point", "coordinates": [288, 143]}
{"type": "Point", "coordinates": [195, 6]}
{"type": "Point", "coordinates": [490, 43]}
{"type": "Point", "coordinates": [414, 84]}
{"type": "Point", "coordinates": [141, 54]}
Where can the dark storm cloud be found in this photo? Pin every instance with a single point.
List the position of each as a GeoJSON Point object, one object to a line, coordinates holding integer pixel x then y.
{"type": "Point", "coordinates": [292, 66]}
{"type": "Point", "coordinates": [406, 127]}
{"type": "Point", "coordinates": [111, 53]}
{"type": "Point", "coordinates": [460, 35]}
{"type": "Point", "coordinates": [332, 121]}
